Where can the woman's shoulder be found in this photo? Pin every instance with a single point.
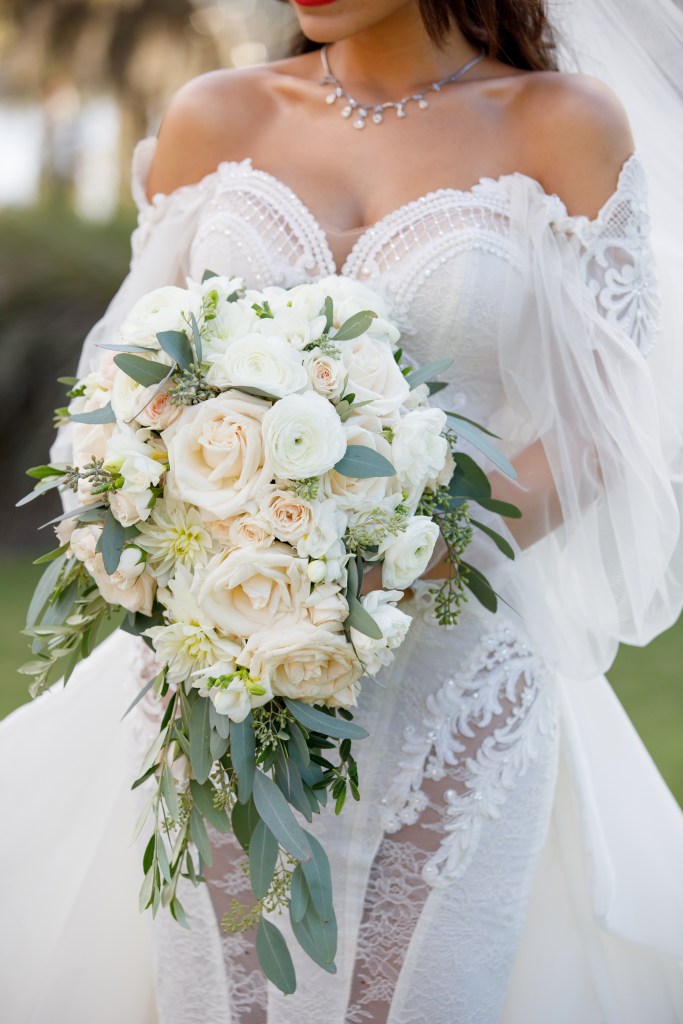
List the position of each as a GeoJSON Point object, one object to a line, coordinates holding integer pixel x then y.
{"type": "Point", "coordinates": [215, 117]}
{"type": "Point", "coordinates": [577, 136]}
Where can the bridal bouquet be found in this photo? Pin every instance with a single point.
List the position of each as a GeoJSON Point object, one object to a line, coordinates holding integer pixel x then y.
{"type": "Point", "coordinates": [241, 460]}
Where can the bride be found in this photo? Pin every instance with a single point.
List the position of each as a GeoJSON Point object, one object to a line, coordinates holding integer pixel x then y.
{"type": "Point", "coordinates": [515, 857]}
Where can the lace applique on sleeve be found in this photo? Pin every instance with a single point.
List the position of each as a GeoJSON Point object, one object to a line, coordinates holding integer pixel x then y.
{"type": "Point", "coordinates": [616, 258]}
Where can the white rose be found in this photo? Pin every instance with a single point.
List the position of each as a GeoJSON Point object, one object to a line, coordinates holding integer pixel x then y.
{"type": "Point", "coordinates": [129, 508]}
{"type": "Point", "coordinates": [314, 664]}
{"type": "Point", "coordinates": [374, 376]}
{"type": "Point", "coordinates": [216, 454]}
{"type": "Point", "coordinates": [163, 309]}
{"type": "Point", "coordinates": [303, 436]}
{"type": "Point", "coordinates": [254, 588]}
{"type": "Point", "coordinates": [407, 556]}
{"type": "Point", "coordinates": [156, 410]}
{"type": "Point", "coordinates": [230, 693]}
{"type": "Point", "coordinates": [419, 449]}
{"type": "Point", "coordinates": [326, 376]}
{"type": "Point", "coordinates": [288, 517]}
{"type": "Point", "coordinates": [358, 494]}
{"type": "Point", "coordinates": [130, 586]}
{"type": "Point", "coordinates": [84, 542]}
{"type": "Point", "coordinates": [269, 364]}
{"type": "Point", "coordinates": [327, 604]}
{"type": "Point", "coordinates": [394, 624]}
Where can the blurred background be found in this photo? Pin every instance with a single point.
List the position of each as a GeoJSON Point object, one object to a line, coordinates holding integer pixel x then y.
{"type": "Point", "coordinates": [80, 82]}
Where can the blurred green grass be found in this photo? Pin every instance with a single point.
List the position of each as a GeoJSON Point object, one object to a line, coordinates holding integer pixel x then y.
{"type": "Point", "coordinates": [648, 681]}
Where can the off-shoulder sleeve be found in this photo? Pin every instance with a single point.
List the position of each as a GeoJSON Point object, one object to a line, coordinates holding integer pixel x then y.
{"type": "Point", "coordinates": [579, 317]}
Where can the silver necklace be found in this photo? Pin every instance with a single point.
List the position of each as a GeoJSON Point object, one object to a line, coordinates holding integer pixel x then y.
{"type": "Point", "coordinates": [361, 112]}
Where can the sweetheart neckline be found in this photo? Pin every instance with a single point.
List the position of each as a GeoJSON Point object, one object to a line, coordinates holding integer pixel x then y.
{"type": "Point", "coordinates": [160, 199]}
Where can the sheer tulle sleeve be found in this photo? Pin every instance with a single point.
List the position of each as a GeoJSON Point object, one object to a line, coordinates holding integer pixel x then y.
{"type": "Point", "coordinates": [160, 248]}
{"type": "Point", "coordinates": [580, 317]}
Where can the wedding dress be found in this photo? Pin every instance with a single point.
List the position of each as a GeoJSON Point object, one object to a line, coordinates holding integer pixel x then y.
{"type": "Point", "coordinates": [515, 856]}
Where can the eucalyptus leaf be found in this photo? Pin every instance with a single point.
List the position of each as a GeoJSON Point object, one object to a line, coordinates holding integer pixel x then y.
{"type": "Point", "coordinates": [177, 345]}
{"type": "Point", "coordinates": [327, 725]}
{"type": "Point", "coordinates": [72, 513]}
{"type": "Point", "coordinates": [42, 487]}
{"type": "Point", "coordinates": [197, 338]}
{"type": "Point", "coordinates": [244, 819]}
{"type": "Point", "coordinates": [316, 937]}
{"type": "Point", "coordinates": [207, 275]}
{"type": "Point", "coordinates": [200, 837]}
{"type": "Point", "coordinates": [288, 778]}
{"type": "Point", "coordinates": [145, 689]}
{"type": "Point", "coordinates": [256, 392]}
{"type": "Point", "coordinates": [143, 371]}
{"type": "Point", "coordinates": [298, 743]}
{"type": "Point", "coordinates": [168, 792]}
{"type": "Point", "coordinates": [501, 508]}
{"type": "Point", "coordinates": [298, 894]}
{"type": "Point", "coordinates": [319, 880]}
{"type": "Point", "coordinates": [434, 386]}
{"type": "Point", "coordinates": [362, 463]}
{"type": "Point", "coordinates": [202, 796]}
{"type": "Point", "coordinates": [274, 810]}
{"type": "Point", "coordinates": [146, 890]}
{"type": "Point", "coordinates": [44, 588]}
{"type": "Point", "coordinates": [479, 437]}
{"type": "Point", "coordinates": [262, 860]}
{"type": "Point", "coordinates": [110, 543]}
{"type": "Point", "coordinates": [274, 957]}
{"type": "Point", "coordinates": [221, 723]}
{"type": "Point", "coordinates": [480, 587]}
{"type": "Point", "coordinates": [428, 373]}
{"type": "Point", "coordinates": [104, 415]}
{"type": "Point", "coordinates": [217, 745]}
{"type": "Point", "coordinates": [328, 312]}
{"type": "Point", "coordinates": [137, 349]}
{"type": "Point", "coordinates": [354, 326]}
{"type": "Point", "coordinates": [468, 479]}
{"type": "Point", "coordinates": [242, 752]}
{"type": "Point", "coordinates": [200, 732]}
{"type": "Point", "coordinates": [360, 619]}
{"type": "Point", "coordinates": [162, 857]}
{"type": "Point", "coordinates": [43, 472]}
{"type": "Point", "coordinates": [503, 546]}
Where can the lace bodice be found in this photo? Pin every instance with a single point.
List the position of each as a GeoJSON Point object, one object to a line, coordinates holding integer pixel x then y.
{"type": "Point", "coordinates": [441, 261]}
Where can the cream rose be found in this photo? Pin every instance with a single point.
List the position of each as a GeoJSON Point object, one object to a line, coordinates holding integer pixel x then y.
{"type": "Point", "coordinates": [288, 517]}
{"type": "Point", "coordinates": [407, 556]}
{"type": "Point", "coordinates": [257, 362]}
{"type": "Point", "coordinates": [327, 604]}
{"type": "Point", "coordinates": [326, 376]}
{"type": "Point", "coordinates": [130, 585]}
{"type": "Point", "coordinates": [314, 664]}
{"type": "Point", "coordinates": [303, 437]}
{"type": "Point", "coordinates": [374, 376]}
{"type": "Point", "coordinates": [156, 409]}
{"type": "Point", "coordinates": [254, 588]}
{"type": "Point", "coordinates": [394, 624]}
{"type": "Point", "coordinates": [246, 530]}
{"type": "Point", "coordinates": [216, 454]}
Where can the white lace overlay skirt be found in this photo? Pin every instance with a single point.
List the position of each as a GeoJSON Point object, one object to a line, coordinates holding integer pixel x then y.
{"type": "Point", "coordinates": [432, 869]}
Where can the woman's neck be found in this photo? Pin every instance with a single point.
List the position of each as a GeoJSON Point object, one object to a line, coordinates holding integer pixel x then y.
{"type": "Point", "coordinates": [396, 56]}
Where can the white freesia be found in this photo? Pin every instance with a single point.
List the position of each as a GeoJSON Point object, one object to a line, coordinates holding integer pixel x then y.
{"type": "Point", "coordinates": [323, 537]}
{"type": "Point", "coordinates": [314, 664]}
{"type": "Point", "coordinates": [254, 588]}
{"type": "Point", "coordinates": [232, 321]}
{"type": "Point", "coordinates": [216, 455]}
{"type": "Point", "coordinates": [269, 364]}
{"type": "Point", "coordinates": [141, 465]}
{"type": "Point", "coordinates": [394, 624]}
{"type": "Point", "coordinates": [418, 449]}
{"type": "Point", "coordinates": [188, 643]}
{"type": "Point", "coordinates": [327, 376]}
{"type": "Point", "coordinates": [374, 375]}
{"type": "Point", "coordinates": [164, 309]}
{"type": "Point", "coordinates": [230, 692]}
{"type": "Point", "coordinates": [175, 534]}
{"type": "Point", "coordinates": [303, 437]}
{"type": "Point", "coordinates": [407, 556]}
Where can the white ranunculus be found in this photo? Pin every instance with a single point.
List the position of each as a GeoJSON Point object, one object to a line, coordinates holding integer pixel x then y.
{"type": "Point", "coordinates": [254, 588]}
{"type": "Point", "coordinates": [348, 295]}
{"type": "Point", "coordinates": [229, 692]}
{"type": "Point", "coordinates": [407, 556]}
{"type": "Point", "coordinates": [303, 437]}
{"type": "Point", "coordinates": [269, 364]}
{"type": "Point", "coordinates": [289, 518]}
{"type": "Point", "coordinates": [155, 409]}
{"type": "Point", "coordinates": [216, 454]}
{"type": "Point", "coordinates": [130, 585]}
{"type": "Point", "coordinates": [163, 309]}
{"type": "Point", "coordinates": [327, 376]}
{"type": "Point", "coordinates": [314, 664]}
{"type": "Point", "coordinates": [374, 376]}
{"type": "Point", "coordinates": [293, 326]}
{"type": "Point", "coordinates": [215, 290]}
{"type": "Point", "coordinates": [359, 494]}
{"type": "Point", "coordinates": [394, 624]}
{"type": "Point", "coordinates": [418, 449]}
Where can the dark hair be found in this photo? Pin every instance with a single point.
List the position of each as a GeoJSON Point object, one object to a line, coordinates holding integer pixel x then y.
{"type": "Point", "coordinates": [516, 32]}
